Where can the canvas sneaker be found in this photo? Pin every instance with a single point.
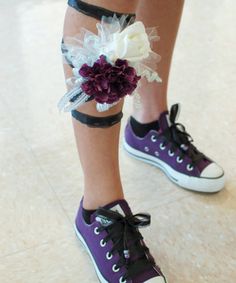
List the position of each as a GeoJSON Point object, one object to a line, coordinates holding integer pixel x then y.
{"type": "Point", "coordinates": [115, 245]}
{"type": "Point", "coordinates": [171, 149]}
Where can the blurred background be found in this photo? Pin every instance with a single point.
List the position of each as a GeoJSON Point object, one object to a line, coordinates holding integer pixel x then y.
{"type": "Point", "coordinates": [192, 236]}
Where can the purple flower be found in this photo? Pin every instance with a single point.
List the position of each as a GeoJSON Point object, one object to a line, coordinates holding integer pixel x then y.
{"type": "Point", "coordinates": [108, 83]}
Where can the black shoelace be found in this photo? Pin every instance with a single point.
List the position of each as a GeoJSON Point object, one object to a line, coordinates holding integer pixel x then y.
{"type": "Point", "coordinates": [180, 139]}
{"type": "Point", "coordinates": [127, 241]}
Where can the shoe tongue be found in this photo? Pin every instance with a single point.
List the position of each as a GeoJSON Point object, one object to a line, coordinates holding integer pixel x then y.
{"type": "Point", "coordinates": [120, 206]}
{"type": "Point", "coordinates": [164, 121]}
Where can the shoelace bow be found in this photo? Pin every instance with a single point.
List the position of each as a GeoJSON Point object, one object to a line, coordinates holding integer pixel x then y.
{"type": "Point", "coordinates": [127, 240]}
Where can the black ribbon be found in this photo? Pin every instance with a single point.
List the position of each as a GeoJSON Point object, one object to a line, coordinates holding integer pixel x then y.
{"type": "Point", "coordinates": [177, 135]}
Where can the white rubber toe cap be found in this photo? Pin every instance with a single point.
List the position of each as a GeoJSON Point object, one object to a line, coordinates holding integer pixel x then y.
{"type": "Point", "coordinates": [158, 279]}
{"type": "Point", "coordinates": [212, 171]}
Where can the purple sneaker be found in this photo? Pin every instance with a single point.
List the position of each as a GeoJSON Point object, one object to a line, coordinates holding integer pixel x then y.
{"type": "Point", "coordinates": [115, 245]}
{"type": "Point", "coordinates": [170, 148]}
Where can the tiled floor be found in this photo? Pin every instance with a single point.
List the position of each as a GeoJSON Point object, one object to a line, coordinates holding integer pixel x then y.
{"type": "Point", "coordinates": [193, 236]}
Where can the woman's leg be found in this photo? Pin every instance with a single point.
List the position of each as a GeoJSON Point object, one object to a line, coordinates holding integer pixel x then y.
{"type": "Point", "coordinates": [97, 147]}
{"type": "Point", "coordinates": [152, 134]}
{"type": "Point", "coordinates": [166, 15]}
{"type": "Point", "coordinates": [104, 222]}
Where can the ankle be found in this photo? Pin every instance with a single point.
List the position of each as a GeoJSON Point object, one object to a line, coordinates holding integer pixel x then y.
{"type": "Point", "coordinates": [95, 200]}
{"type": "Point", "coordinates": [145, 117]}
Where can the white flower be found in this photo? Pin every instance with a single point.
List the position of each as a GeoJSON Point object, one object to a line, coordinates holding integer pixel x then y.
{"type": "Point", "coordinates": [131, 44]}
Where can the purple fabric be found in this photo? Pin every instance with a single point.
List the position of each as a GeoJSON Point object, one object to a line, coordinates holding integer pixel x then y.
{"type": "Point", "coordinates": [154, 148]}
{"type": "Point", "coordinates": [99, 253]}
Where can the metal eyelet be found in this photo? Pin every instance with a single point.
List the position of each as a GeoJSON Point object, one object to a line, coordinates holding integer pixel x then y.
{"type": "Point", "coordinates": [162, 147]}
{"type": "Point", "coordinates": [122, 280]}
{"type": "Point", "coordinates": [109, 255]}
{"type": "Point", "coordinates": [171, 153]}
{"type": "Point", "coordinates": [189, 167]}
{"type": "Point", "coordinates": [179, 160]}
{"type": "Point", "coordinates": [153, 138]}
{"type": "Point", "coordinates": [102, 243]}
{"type": "Point", "coordinates": [96, 232]}
{"type": "Point", "coordinates": [115, 268]}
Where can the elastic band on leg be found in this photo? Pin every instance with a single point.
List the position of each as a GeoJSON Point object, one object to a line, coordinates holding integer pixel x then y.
{"type": "Point", "coordinates": [97, 122]}
{"type": "Point", "coordinates": [96, 11]}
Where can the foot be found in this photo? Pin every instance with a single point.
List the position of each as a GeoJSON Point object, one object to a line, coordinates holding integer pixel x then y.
{"type": "Point", "coordinates": [115, 245]}
{"type": "Point", "coordinates": [169, 147]}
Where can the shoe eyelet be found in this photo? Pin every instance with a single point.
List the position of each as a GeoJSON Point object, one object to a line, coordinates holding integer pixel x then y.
{"type": "Point", "coordinates": [153, 138]}
{"type": "Point", "coordinates": [115, 268]}
{"type": "Point", "coordinates": [162, 147]}
{"type": "Point", "coordinates": [156, 153]}
{"type": "Point", "coordinates": [109, 256]}
{"type": "Point", "coordinates": [122, 280]}
{"type": "Point", "coordinates": [146, 148]}
{"type": "Point", "coordinates": [179, 160]}
{"type": "Point", "coordinates": [171, 153]}
{"type": "Point", "coordinates": [102, 243]}
{"type": "Point", "coordinates": [189, 167]}
{"type": "Point", "coordinates": [96, 232]}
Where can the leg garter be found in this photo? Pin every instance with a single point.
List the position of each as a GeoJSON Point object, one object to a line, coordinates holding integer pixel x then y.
{"type": "Point", "coordinates": [108, 65]}
{"type": "Point", "coordinates": [97, 122]}
{"type": "Point", "coordinates": [97, 12]}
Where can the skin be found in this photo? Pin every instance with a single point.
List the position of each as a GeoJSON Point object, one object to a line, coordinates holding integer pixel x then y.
{"type": "Point", "coordinates": [98, 148]}
{"type": "Point", "coordinates": [166, 16]}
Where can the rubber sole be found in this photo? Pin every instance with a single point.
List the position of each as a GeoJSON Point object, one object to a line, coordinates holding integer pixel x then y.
{"type": "Point", "coordinates": [206, 185]}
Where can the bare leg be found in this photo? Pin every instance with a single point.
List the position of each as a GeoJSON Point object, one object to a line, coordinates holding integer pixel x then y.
{"type": "Point", "coordinates": [97, 148]}
{"type": "Point", "coordinates": [166, 15]}
{"type": "Point", "coordinates": [171, 146]}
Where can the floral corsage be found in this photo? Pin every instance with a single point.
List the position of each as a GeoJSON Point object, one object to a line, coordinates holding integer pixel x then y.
{"type": "Point", "coordinates": [108, 66]}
